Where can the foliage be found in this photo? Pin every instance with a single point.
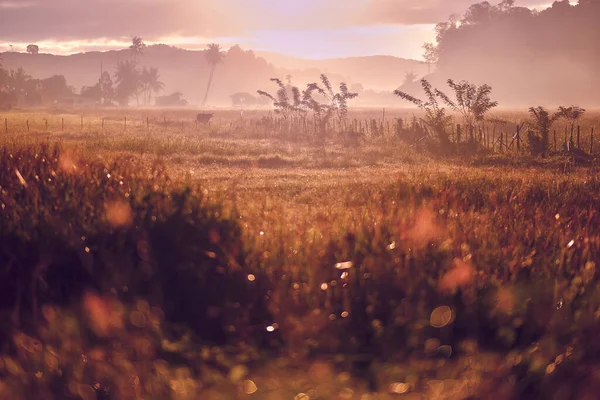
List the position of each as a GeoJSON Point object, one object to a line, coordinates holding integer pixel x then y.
{"type": "Point", "coordinates": [409, 78]}
{"type": "Point", "coordinates": [285, 106]}
{"type": "Point", "coordinates": [385, 282]}
{"type": "Point", "coordinates": [106, 228]}
{"type": "Point", "coordinates": [137, 47]}
{"type": "Point", "coordinates": [243, 99]}
{"type": "Point", "coordinates": [435, 115]}
{"type": "Point", "coordinates": [493, 42]}
{"type": "Point", "coordinates": [214, 56]}
{"type": "Point", "coordinates": [127, 78]}
{"type": "Point", "coordinates": [150, 83]}
{"type": "Point", "coordinates": [542, 123]}
{"type": "Point", "coordinates": [103, 91]}
{"type": "Point", "coordinates": [331, 103]}
{"type": "Point", "coordinates": [430, 54]}
{"type": "Point", "coordinates": [33, 49]}
{"type": "Point", "coordinates": [132, 81]}
{"type": "Point", "coordinates": [172, 100]}
{"type": "Point", "coordinates": [571, 114]}
{"type": "Point", "coordinates": [472, 102]}
{"type": "Point", "coordinates": [338, 102]}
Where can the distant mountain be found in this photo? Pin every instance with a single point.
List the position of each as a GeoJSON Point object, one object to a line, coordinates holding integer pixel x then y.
{"type": "Point", "coordinates": [383, 73]}
{"type": "Point", "coordinates": [187, 72]}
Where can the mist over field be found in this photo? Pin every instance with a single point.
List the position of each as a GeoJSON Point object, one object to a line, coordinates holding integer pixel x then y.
{"type": "Point", "coordinates": [546, 55]}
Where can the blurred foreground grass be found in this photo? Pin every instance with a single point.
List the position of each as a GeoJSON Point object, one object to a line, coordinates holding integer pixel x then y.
{"type": "Point", "coordinates": [299, 272]}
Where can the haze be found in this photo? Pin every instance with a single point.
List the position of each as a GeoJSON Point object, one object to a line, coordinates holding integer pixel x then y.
{"type": "Point", "coordinates": [527, 49]}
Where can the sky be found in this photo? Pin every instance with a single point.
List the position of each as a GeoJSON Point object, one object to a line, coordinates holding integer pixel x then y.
{"type": "Point", "coordinates": [305, 28]}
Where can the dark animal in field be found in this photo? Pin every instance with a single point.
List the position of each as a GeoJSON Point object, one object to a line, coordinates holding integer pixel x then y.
{"type": "Point", "coordinates": [204, 118]}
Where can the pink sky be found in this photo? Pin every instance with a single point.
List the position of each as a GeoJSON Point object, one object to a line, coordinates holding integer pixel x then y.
{"type": "Point", "coordinates": [305, 28]}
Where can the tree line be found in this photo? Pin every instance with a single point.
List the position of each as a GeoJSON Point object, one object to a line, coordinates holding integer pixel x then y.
{"type": "Point", "coordinates": [128, 82]}
{"type": "Point", "coordinates": [550, 54]}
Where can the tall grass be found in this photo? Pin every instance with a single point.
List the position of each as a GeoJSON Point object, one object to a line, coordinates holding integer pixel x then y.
{"type": "Point", "coordinates": [296, 273]}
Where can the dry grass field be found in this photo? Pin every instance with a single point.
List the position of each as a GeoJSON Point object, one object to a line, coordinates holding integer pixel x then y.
{"type": "Point", "coordinates": [332, 269]}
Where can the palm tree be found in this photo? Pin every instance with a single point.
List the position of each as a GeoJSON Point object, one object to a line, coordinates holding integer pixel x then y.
{"type": "Point", "coordinates": [571, 114]}
{"type": "Point", "coordinates": [150, 83]}
{"type": "Point", "coordinates": [127, 78]}
{"type": "Point", "coordinates": [137, 47]}
{"type": "Point", "coordinates": [214, 56]}
{"type": "Point", "coordinates": [542, 122]}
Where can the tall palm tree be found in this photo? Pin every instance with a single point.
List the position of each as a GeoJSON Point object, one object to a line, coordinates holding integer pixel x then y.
{"type": "Point", "coordinates": [214, 56]}
{"type": "Point", "coordinates": [150, 83]}
{"type": "Point", "coordinates": [137, 47]}
{"type": "Point", "coordinates": [127, 77]}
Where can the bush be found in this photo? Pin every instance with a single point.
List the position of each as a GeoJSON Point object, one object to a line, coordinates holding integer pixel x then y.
{"type": "Point", "coordinates": [67, 228]}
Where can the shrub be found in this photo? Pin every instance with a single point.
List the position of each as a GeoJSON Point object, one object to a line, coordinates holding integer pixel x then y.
{"type": "Point", "coordinates": [68, 227]}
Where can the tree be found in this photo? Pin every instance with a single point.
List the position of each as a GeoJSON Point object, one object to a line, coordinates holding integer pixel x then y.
{"type": "Point", "coordinates": [542, 122]}
{"type": "Point", "coordinates": [173, 100]}
{"type": "Point", "coordinates": [435, 115]}
{"type": "Point", "coordinates": [571, 114]}
{"type": "Point", "coordinates": [409, 78]}
{"type": "Point", "coordinates": [92, 92]}
{"type": "Point", "coordinates": [149, 80]}
{"type": "Point", "coordinates": [3, 79]}
{"type": "Point", "coordinates": [17, 81]}
{"type": "Point", "coordinates": [297, 105]}
{"type": "Point", "coordinates": [214, 56]}
{"type": "Point", "coordinates": [55, 87]}
{"type": "Point", "coordinates": [281, 101]}
{"type": "Point", "coordinates": [431, 55]}
{"type": "Point", "coordinates": [338, 102]}
{"type": "Point", "coordinates": [127, 78]}
{"type": "Point", "coordinates": [137, 47]}
{"type": "Point", "coordinates": [33, 49]}
{"type": "Point", "coordinates": [471, 102]}
{"type": "Point", "coordinates": [242, 99]}
{"type": "Point", "coordinates": [107, 91]}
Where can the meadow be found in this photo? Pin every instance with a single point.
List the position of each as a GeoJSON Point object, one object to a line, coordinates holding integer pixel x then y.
{"type": "Point", "coordinates": [156, 258]}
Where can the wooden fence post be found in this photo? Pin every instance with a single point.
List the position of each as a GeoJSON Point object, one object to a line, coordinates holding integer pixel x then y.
{"type": "Point", "coordinates": [592, 141]}
{"type": "Point", "coordinates": [102, 123]}
{"type": "Point", "coordinates": [578, 137]}
{"type": "Point", "coordinates": [147, 123]}
{"type": "Point", "coordinates": [46, 123]}
{"type": "Point", "coordinates": [6, 125]}
{"type": "Point", "coordinates": [62, 124]}
{"type": "Point", "coordinates": [519, 137]}
{"type": "Point", "coordinates": [27, 123]}
{"type": "Point", "coordinates": [555, 140]}
{"type": "Point", "coordinates": [125, 124]}
{"type": "Point", "coordinates": [501, 142]}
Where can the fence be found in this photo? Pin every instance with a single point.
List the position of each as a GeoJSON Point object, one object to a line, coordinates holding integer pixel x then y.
{"type": "Point", "coordinates": [495, 137]}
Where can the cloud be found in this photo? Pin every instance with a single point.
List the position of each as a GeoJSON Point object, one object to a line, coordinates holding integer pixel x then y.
{"type": "Point", "coordinates": [31, 20]}
{"type": "Point", "coordinates": [15, 4]}
{"type": "Point", "coordinates": [312, 26]}
{"type": "Point", "coordinates": [410, 12]}
{"type": "Point", "coordinates": [76, 19]}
